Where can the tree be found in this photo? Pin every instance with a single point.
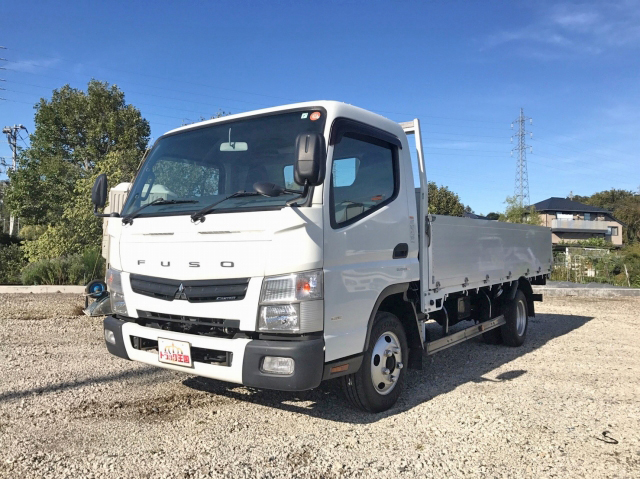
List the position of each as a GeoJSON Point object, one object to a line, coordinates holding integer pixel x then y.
{"type": "Point", "coordinates": [514, 213]}
{"type": "Point", "coordinates": [77, 136]}
{"type": "Point", "coordinates": [443, 201]}
{"type": "Point", "coordinates": [493, 216]}
{"type": "Point", "coordinates": [4, 214]}
{"type": "Point", "coordinates": [624, 205]}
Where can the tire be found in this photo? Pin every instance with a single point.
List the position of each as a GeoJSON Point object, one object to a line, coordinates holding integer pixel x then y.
{"type": "Point", "coordinates": [370, 389]}
{"type": "Point", "coordinates": [516, 314]}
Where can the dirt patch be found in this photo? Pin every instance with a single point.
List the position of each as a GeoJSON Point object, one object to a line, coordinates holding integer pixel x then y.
{"type": "Point", "coordinates": [163, 408]}
{"type": "Point", "coordinates": [69, 409]}
{"type": "Point", "coordinates": [36, 307]}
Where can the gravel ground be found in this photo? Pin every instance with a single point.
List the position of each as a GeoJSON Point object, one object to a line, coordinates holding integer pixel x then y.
{"type": "Point", "coordinates": [569, 284]}
{"type": "Point", "coordinates": [69, 409]}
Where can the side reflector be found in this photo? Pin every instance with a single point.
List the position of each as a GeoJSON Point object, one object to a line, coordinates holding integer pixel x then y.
{"type": "Point", "coordinates": [339, 369]}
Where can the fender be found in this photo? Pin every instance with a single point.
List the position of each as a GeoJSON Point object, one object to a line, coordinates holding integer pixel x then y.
{"type": "Point", "coordinates": [523, 285]}
{"type": "Point", "coordinates": [406, 313]}
{"type": "Point", "coordinates": [386, 292]}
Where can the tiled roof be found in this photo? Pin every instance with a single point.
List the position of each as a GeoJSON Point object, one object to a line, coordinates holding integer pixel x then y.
{"type": "Point", "coordinates": [564, 204]}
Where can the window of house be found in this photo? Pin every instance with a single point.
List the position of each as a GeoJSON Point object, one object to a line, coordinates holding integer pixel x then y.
{"type": "Point", "coordinates": [612, 230]}
{"type": "Point", "coordinates": [564, 216]}
{"type": "Point", "coordinates": [363, 178]}
{"type": "Point", "coordinates": [587, 216]}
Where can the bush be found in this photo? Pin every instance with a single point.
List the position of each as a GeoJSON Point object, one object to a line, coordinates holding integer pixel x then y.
{"type": "Point", "coordinates": [6, 240]}
{"type": "Point", "coordinates": [74, 269]}
{"type": "Point", "coordinates": [12, 261]}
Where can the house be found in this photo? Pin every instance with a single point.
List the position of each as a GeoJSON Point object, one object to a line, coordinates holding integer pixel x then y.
{"type": "Point", "coordinates": [572, 221]}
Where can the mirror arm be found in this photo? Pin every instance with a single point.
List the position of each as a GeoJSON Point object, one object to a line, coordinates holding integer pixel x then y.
{"type": "Point", "coordinates": [305, 192]}
{"type": "Point", "coordinates": [104, 215]}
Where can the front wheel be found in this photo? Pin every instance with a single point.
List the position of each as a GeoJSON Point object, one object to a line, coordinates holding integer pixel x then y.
{"type": "Point", "coordinates": [376, 386]}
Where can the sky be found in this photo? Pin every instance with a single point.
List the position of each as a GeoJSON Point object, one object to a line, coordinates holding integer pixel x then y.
{"type": "Point", "coordinates": [464, 68]}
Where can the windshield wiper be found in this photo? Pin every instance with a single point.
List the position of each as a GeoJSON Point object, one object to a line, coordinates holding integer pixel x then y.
{"type": "Point", "coordinates": [200, 215]}
{"type": "Point", "coordinates": [128, 219]}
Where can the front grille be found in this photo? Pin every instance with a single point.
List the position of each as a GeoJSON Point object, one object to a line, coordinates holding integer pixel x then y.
{"type": "Point", "coordinates": [194, 291]}
{"type": "Point", "coordinates": [189, 320]}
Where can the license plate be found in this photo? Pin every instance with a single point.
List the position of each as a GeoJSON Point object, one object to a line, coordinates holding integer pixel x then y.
{"type": "Point", "coordinates": [174, 352]}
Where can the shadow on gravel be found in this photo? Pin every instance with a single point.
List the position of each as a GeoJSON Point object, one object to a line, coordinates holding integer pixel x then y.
{"type": "Point", "coordinates": [107, 378]}
{"type": "Point", "coordinates": [441, 373]}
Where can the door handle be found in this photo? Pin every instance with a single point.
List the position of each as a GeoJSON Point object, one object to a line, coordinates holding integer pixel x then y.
{"type": "Point", "coordinates": [401, 251]}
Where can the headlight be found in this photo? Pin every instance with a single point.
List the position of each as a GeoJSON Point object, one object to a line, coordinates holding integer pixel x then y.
{"type": "Point", "coordinates": [279, 317]}
{"type": "Point", "coordinates": [116, 293]}
{"type": "Point", "coordinates": [292, 303]}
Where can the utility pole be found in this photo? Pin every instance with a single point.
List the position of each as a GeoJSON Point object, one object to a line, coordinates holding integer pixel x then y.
{"type": "Point", "coordinates": [12, 133]}
{"type": "Point", "coordinates": [521, 189]}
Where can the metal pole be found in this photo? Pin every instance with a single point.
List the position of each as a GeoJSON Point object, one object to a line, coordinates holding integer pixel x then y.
{"type": "Point", "coordinates": [12, 138]}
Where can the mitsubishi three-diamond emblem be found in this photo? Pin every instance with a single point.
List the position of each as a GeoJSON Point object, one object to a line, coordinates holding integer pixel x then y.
{"type": "Point", "coordinates": [180, 294]}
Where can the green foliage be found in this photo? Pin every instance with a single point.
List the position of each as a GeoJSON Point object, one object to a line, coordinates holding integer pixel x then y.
{"type": "Point", "coordinates": [624, 205]}
{"type": "Point", "coordinates": [598, 266]}
{"type": "Point", "coordinates": [588, 243]}
{"type": "Point", "coordinates": [73, 269]}
{"type": "Point", "coordinates": [32, 232]}
{"type": "Point", "coordinates": [443, 201]}
{"type": "Point", "coordinates": [12, 261]}
{"type": "Point", "coordinates": [631, 259]}
{"type": "Point", "coordinates": [493, 216]}
{"type": "Point", "coordinates": [514, 213]}
{"type": "Point", "coordinates": [78, 135]}
{"type": "Point", "coordinates": [6, 239]}
{"type": "Point", "coordinates": [4, 212]}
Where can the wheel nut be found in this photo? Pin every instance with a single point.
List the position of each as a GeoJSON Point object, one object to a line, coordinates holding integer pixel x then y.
{"type": "Point", "coordinates": [388, 353]}
{"type": "Point", "coordinates": [385, 371]}
{"type": "Point", "coordinates": [399, 365]}
{"type": "Point", "coordinates": [392, 379]}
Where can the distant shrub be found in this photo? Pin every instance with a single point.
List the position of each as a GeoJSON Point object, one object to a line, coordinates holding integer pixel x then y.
{"type": "Point", "coordinates": [12, 260]}
{"type": "Point", "coordinates": [74, 269]}
{"type": "Point", "coordinates": [6, 239]}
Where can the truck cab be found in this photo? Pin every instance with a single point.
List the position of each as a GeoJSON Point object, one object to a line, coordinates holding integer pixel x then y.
{"type": "Point", "coordinates": [281, 247]}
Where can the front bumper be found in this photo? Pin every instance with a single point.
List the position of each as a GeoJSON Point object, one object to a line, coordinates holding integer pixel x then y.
{"type": "Point", "coordinates": [247, 356]}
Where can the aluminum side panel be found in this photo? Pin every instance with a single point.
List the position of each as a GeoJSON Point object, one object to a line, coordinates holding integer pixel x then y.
{"type": "Point", "coordinates": [466, 250]}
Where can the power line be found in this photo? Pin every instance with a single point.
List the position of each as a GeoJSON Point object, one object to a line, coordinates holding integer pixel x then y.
{"type": "Point", "coordinates": [162, 78]}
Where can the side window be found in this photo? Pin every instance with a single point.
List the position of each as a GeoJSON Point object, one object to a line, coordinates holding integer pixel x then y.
{"type": "Point", "coordinates": [289, 182]}
{"type": "Point", "coordinates": [363, 178]}
{"type": "Point", "coordinates": [344, 172]}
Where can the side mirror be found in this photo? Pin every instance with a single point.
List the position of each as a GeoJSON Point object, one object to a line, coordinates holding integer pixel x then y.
{"type": "Point", "coordinates": [99, 192]}
{"type": "Point", "coordinates": [310, 158]}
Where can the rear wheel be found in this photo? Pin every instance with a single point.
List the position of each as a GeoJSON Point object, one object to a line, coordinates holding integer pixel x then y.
{"type": "Point", "coordinates": [514, 331]}
{"type": "Point", "coordinates": [376, 386]}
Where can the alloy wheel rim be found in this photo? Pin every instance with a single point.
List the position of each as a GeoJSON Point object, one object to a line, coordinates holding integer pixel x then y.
{"type": "Point", "coordinates": [521, 318]}
{"type": "Point", "coordinates": [386, 363]}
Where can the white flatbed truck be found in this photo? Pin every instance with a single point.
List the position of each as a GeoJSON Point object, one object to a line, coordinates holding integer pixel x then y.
{"type": "Point", "coordinates": [282, 247]}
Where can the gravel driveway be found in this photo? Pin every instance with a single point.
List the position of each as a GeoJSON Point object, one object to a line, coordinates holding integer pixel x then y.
{"type": "Point", "coordinates": [69, 409]}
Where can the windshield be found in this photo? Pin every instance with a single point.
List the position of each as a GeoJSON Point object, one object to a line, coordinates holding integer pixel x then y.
{"type": "Point", "coordinates": [209, 163]}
